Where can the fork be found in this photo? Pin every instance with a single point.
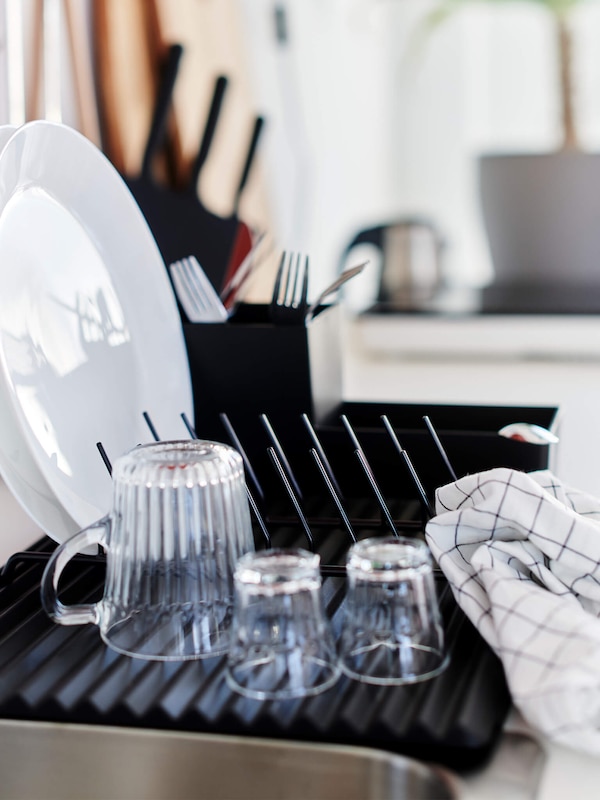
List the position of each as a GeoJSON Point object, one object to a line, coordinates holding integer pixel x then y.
{"type": "Point", "coordinates": [290, 293]}
{"type": "Point", "coordinates": [195, 292]}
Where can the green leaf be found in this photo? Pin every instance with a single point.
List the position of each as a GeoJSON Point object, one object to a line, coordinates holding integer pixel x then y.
{"type": "Point", "coordinates": [447, 7]}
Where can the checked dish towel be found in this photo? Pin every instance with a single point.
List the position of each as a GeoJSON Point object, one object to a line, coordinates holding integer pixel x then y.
{"type": "Point", "coordinates": [522, 554]}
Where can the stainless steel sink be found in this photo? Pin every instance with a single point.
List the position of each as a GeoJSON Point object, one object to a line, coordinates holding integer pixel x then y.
{"type": "Point", "coordinates": [81, 762]}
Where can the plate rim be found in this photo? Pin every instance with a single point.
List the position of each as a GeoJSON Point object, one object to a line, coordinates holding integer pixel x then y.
{"type": "Point", "coordinates": [16, 160]}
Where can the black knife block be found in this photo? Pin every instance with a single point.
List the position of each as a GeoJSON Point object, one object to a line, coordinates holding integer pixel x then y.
{"type": "Point", "coordinates": [249, 366]}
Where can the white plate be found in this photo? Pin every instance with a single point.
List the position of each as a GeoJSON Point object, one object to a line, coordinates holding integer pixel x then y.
{"type": "Point", "coordinates": [90, 335]}
{"type": "Point", "coordinates": [18, 469]}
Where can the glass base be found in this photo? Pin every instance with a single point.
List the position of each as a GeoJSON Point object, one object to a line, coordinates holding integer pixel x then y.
{"type": "Point", "coordinates": [179, 634]}
{"type": "Point", "coordinates": [282, 678]}
{"type": "Point", "coordinates": [383, 664]}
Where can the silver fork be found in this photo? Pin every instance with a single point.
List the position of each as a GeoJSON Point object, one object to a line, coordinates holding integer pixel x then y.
{"type": "Point", "coordinates": [290, 293]}
{"type": "Point", "coordinates": [195, 292]}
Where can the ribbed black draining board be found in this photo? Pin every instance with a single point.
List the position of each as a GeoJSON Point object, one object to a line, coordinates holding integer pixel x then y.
{"type": "Point", "coordinates": [66, 674]}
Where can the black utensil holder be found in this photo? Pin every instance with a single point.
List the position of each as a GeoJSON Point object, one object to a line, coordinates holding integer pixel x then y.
{"type": "Point", "coordinates": [249, 366]}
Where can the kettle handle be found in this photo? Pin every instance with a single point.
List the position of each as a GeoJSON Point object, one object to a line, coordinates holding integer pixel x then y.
{"type": "Point", "coordinates": [373, 236]}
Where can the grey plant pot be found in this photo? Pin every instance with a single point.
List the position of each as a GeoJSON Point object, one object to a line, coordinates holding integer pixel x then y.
{"type": "Point", "coordinates": [542, 217]}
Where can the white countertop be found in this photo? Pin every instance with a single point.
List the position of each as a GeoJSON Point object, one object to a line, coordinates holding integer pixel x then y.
{"type": "Point", "coordinates": [573, 386]}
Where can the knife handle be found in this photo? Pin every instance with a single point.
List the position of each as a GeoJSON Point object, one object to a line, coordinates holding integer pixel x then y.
{"type": "Point", "coordinates": [209, 131]}
{"type": "Point", "coordinates": [256, 131]}
{"type": "Point", "coordinates": [161, 109]}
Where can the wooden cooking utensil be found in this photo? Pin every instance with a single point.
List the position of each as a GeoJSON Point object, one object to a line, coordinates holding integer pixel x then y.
{"type": "Point", "coordinates": [125, 63]}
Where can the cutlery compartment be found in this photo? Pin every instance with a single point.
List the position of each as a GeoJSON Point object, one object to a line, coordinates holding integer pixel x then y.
{"type": "Point", "coordinates": [249, 366]}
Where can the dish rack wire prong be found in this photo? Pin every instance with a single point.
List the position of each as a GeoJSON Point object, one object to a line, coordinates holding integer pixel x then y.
{"type": "Point", "coordinates": [345, 522]}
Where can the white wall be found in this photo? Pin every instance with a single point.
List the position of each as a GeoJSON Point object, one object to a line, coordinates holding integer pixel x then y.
{"type": "Point", "coordinates": [37, 81]}
{"type": "Point", "coordinates": [368, 124]}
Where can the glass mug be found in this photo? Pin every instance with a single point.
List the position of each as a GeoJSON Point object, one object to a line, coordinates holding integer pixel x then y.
{"type": "Point", "coordinates": [179, 522]}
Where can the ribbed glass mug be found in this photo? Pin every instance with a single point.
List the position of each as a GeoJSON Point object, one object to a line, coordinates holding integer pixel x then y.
{"type": "Point", "coordinates": [179, 522]}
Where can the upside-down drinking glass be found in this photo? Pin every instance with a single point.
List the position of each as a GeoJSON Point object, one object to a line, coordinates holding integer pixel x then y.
{"type": "Point", "coordinates": [391, 629]}
{"type": "Point", "coordinates": [282, 645]}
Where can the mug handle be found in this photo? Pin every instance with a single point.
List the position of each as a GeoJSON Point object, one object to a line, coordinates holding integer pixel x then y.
{"type": "Point", "coordinates": [57, 611]}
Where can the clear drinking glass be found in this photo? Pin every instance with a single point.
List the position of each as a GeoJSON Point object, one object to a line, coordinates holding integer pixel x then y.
{"type": "Point", "coordinates": [179, 522]}
{"type": "Point", "coordinates": [282, 645]}
{"type": "Point", "coordinates": [391, 629]}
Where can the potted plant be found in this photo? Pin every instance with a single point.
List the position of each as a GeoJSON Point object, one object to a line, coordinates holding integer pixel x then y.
{"type": "Point", "coordinates": [542, 210]}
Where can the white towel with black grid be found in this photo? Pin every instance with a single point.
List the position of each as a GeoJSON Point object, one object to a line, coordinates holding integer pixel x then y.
{"type": "Point", "coordinates": [522, 554]}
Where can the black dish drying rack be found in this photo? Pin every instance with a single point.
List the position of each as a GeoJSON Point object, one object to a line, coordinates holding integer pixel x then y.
{"type": "Point", "coordinates": [66, 674]}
